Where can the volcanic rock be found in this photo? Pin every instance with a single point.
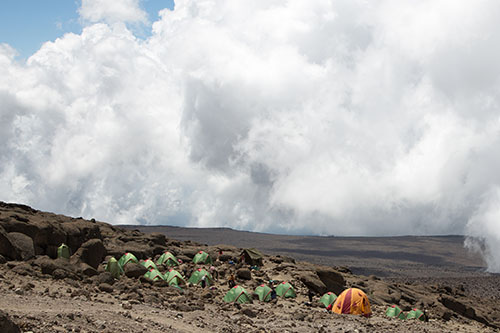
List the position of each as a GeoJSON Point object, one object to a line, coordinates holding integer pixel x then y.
{"type": "Point", "coordinates": [87, 270]}
{"type": "Point", "coordinates": [7, 325]}
{"type": "Point", "coordinates": [133, 270]}
{"type": "Point", "coordinates": [312, 281]}
{"type": "Point", "coordinates": [244, 273]}
{"type": "Point", "coordinates": [7, 249]}
{"type": "Point", "coordinates": [106, 277]}
{"type": "Point", "coordinates": [23, 244]}
{"type": "Point", "coordinates": [105, 287]}
{"type": "Point", "coordinates": [91, 252]}
{"type": "Point", "coordinates": [333, 280]}
{"type": "Point", "coordinates": [48, 265]}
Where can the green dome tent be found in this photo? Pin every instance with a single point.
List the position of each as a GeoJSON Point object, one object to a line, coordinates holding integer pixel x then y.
{"type": "Point", "coordinates": [416, 314]}
{"type": "Point", "coordinates": [154, 274]}
{"type": "Point", "coordinates": [237, 294]}
{"type": "Point", "coordinates": [167, 259]}
{"type": "Point", "coordinates": [114, 268]}
{"type": "Point", "coordinates": [286, 290]}
{"type": "Point", "coordinates": [202, 258]}
{"type": "Point", "coordinates": [395, 311]}
{"type": "Point", "coordinates": [63, 251]}
{"type": "Point", "coordinates": [198, 275]}
{"type": "Point", "coordinates": [126, 258]}
{"type": "Point", "coordinates": [328, 299]}
{"type": "Point", "coordinates": [174, 278]}
{"type": "Point", "coordinates": [148, 263]}
{"type": "Point", "coordinates": [264, 293]}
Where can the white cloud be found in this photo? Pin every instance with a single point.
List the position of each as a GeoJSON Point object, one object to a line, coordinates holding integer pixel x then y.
{"type": "Point", "coordinates": [329, 117]}
{"type": "Point", "coordinates": [112, 11]}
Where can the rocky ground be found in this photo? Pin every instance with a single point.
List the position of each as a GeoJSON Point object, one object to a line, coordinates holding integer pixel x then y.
{"type": "Point", "coordinates": [43, 294]}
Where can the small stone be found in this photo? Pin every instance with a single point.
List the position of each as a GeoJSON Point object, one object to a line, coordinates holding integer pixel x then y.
{"type": "Point", "coordinates": [127, 306]}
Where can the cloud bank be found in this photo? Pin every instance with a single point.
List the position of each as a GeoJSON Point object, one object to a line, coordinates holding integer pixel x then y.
{"type": "Point", "coordinates": [112, 11]}
{"type": "Point", "coordinates": [318, 117]}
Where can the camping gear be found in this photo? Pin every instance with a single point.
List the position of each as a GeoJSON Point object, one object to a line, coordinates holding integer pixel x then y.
{"type": "Point", "coordinates": [114, 268]}
{"type": "Point", "coordinates": [198, 275]}
{"type": "Point", "coordinates": [416, 314]}
{"type": "Point", "coordinates": [352, 301]}
{"type": "Point", "coordinates": [63, 251]}
{"type": "Point", "coordinates": [328, 299]}
{"type": "Point", "coordinates": [202, 258]}
{"type": "Point", "coordinates": [252, 257]}
{"type": "Point", "coordinates": [154, 274]}
{"type": "Point", "coordinates": [237, 294]}
{"type": "Point", "coordinates": [148, 263]}
{"type": "Point", "coordinates": [126, 258]}
{"type": "Point", "coordinates": [167, 259]}
{"type": "Point", "coordinates": [174, 278]}
{"type": "Point", "coordinates": [395, 311]}
{"type": "Point", "coordinates": [264, 293]}
{"type": "Point", "coordinates": [286, 290]}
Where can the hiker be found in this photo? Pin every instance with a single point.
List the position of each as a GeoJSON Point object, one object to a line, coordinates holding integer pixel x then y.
{"type": "Point", "coordinates": [274, 298]}
{"type": "Point", "coordinates": [231, 281]}
{"type": "Point", "coordinates": [310, 294]}
{"type": "Point", "coordinates": [203, 281]}
{"type": "Point", "coordinates": [214, 273]}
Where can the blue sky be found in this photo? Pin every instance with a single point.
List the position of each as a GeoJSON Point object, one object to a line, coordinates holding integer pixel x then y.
{"type": "Point", "coordinates": [27, 24]}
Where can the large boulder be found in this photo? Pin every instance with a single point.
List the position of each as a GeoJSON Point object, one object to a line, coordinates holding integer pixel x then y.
{"type": "Point", "coordinates": [244, 273]}
{"type": "Point", "coordinates": [79, 231]}
{"type": "Point", "coordinates": [461, 308]}
{"type": "Point", "coordinates": [7, 249]}
{"type": "Point", "coordinates": [23, 245]}
{"type": "Point", "coordinates": [157, 238]}
{"type": "Point", "coordinates": [86, 270]}
{"type": "Point", "coordinates": [48, 265]}
{"type": "Point", "coordinates": [189, 252]}
{"type": "Point", "coordinates": [312, 281]}
{"type": "Point", "coordinates": [333, 280]}
{"type": "Point", "coordinates": [15, 223]}
{"type": "Point", "coordinates": [91, 252]}
{"type": "Point", "coordinates": [7, 325]}
{"type": "Point", "coordinates": [133, 270]}
{"type": "Point", "coordinates": [117, 247]}
{"type": "Point", "coordinates": [105, 277]}
{"type": "Point", "coordinates": [48, 238]}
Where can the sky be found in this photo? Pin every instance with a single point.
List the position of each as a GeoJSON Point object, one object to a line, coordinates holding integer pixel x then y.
{"type": "Point", "coordinates": [27, 24]}
{"type": "Point", "coordinates": [325, 117]}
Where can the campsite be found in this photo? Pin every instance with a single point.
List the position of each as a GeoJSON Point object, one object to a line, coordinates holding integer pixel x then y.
{"type": "Point", "coordinates": [65, 274]}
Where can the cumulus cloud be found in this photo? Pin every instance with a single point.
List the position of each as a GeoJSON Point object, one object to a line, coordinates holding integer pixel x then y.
{"type": "Point", "coordinates": [325, 117]}
{"type": "Point", "coordinates": [112, 11]}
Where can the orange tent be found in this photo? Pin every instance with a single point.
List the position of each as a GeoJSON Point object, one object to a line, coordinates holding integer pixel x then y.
{"type": "Point", "coordinates": [352, 301]}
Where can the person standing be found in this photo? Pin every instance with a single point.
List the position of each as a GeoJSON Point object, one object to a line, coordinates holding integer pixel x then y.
{"type": "Point", "coordinates": [203, 281]}
{"type": "Point", "coordinates": [231, 281]}
{"type": "Point", "coordinates": [310, 294]}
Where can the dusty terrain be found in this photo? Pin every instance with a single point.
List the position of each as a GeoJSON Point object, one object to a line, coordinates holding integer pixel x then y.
{"type": "Point", "coordinates": [43, 294]}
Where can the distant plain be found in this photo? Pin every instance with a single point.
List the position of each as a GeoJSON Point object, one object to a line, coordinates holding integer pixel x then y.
{"type": "Point", "coordinates": [390, 257]}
